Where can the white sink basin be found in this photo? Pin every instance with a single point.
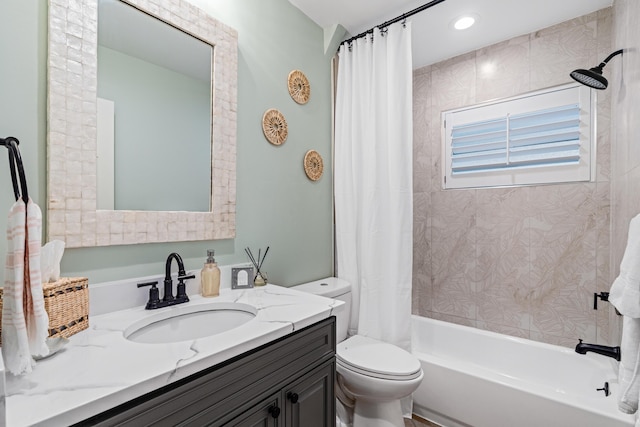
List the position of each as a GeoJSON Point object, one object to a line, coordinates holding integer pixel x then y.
{"type": "Point", "coordinates": [189, 322]}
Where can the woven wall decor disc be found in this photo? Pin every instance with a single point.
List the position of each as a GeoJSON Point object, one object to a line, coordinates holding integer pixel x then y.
{"type": "Point", "coordinates": [299, 87]}
{"type": "Point", "coordinates": [274, 127]}
{"type": "Point", "coordinates": [313, 165]}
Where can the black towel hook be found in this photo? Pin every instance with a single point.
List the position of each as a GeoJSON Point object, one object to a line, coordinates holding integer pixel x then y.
{"type": "Point", "coordinates": [12, 169]}
{"type": "Point", "coordinates": [15, 163]}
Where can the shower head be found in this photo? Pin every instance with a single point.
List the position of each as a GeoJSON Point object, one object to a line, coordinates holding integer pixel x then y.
{"type": "Point", "coordinates": [593, 77]}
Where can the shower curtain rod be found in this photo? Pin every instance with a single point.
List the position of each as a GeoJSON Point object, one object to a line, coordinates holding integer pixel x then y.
{"type": "Point", "coordinates": [396, 19]}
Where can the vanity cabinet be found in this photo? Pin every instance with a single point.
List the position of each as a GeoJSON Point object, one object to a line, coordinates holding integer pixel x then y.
{"type": "Point", "coordinates": [261, 414]}
{"type": "Point", "coordinates": [288, 382]}
{"type": "Point", "coordinates": [308, 402]}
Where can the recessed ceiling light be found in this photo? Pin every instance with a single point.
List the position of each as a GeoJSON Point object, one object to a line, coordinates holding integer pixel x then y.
{"type": "Point", "coordinates": [464, 22]}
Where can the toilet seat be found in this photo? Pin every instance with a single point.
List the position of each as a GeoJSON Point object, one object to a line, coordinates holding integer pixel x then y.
{"type": "Point", "coordinates": [373, 358]}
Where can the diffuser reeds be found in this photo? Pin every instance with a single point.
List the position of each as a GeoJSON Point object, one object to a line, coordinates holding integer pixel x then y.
{"type": "Point", "coordinates": [259, 279]}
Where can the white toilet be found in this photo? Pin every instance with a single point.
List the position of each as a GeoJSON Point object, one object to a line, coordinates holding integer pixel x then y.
{"type": "Point", "coordinates": [376, 375]}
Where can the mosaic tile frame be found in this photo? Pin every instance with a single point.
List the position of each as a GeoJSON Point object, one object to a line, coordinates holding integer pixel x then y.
{"type": "Point", "coordinates": [71, 133]}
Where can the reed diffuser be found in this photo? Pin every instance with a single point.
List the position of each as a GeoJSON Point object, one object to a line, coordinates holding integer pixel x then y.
{"type": "Point", "coordinates": [260, 278]}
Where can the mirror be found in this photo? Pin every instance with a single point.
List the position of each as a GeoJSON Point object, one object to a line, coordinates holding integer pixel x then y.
{"type": "Point", "coordinates": [154, 113]}
{"type": "Point", "coordinates": [73, 213]}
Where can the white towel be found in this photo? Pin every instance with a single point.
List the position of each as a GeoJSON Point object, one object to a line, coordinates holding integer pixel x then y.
{"type": "Point", "coordinates": [625, 296]}
{"type": "Point", "coordinates": [625, 291]}
{"type": "Point", "coordinates": [628, 369]}
{"type": "Point", "coordinates": [24, 318]}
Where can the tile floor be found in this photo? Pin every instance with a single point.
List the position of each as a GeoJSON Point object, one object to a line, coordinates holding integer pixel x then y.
{"type": "Point", "coordinates": [419, 423]}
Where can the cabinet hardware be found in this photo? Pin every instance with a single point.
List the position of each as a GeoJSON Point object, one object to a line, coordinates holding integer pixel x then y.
{"type": "Point", "coordinates": [274, 411]}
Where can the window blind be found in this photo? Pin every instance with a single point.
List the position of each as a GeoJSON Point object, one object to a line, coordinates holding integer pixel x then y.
{"type": "Point", "coordinates": [539, 137]}
{"type": "Point", "coordinates": [533, 139]}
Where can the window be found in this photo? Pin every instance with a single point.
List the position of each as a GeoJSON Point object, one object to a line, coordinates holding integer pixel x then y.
{"type": "Point", "coordinates": [536, 138]}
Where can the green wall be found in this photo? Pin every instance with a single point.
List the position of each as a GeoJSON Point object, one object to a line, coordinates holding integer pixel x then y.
{"type": "Point", "coordinates": [276, 204]}
{"type": "Point", "coordinates": [163, 127]}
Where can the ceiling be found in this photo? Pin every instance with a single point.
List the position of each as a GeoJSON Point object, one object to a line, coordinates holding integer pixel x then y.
{"type": "Point", "coordinates": [433, 39]}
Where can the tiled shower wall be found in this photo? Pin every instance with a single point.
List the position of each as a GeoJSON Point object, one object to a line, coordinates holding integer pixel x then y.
{"type": "Point", "coordinates": [523, 261]}
{"type": "Point", "coordinates": [624, 83]}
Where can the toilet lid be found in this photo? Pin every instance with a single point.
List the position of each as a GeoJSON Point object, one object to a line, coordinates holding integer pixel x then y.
{"type": "Point", "coordinates": [377, 359]}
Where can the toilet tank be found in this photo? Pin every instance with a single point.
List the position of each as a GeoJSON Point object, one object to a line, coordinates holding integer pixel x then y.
{"type": "Point", "coordinates": [332, 287]}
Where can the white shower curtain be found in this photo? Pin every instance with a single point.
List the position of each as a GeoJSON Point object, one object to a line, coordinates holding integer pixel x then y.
{"type": "Point", "coordinates": [373, 182]}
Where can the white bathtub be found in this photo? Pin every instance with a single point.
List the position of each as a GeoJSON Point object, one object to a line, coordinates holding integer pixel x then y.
{"type": "Point", "coordinates": [483, 379]}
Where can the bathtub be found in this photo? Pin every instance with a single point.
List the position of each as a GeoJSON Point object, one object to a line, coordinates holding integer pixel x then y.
{"type": "Point", "coordinates": [483, 379]}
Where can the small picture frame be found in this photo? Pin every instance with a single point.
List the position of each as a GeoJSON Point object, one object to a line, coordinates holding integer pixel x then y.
{"type": "Point", "coordinates": [242, 277]}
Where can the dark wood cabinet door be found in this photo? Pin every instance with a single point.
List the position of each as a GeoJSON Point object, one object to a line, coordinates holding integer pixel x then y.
{"type": "Point", "coordinates": [264, 414]}
{"type": "Point", "coordinates": [310, 401]}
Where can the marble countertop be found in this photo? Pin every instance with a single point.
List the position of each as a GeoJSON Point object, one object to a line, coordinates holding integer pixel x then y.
{"type": "Point", "coordinates": [100, 368]}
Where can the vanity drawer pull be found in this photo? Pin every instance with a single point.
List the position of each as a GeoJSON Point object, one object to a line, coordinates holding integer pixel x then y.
{"type": "Point", "coordinates": [274, 411]}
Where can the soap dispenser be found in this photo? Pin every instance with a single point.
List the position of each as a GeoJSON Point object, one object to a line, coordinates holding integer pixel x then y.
{"type": "Point", "coordinates": [210, 277]}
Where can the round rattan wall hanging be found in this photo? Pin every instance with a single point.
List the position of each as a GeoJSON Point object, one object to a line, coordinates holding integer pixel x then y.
{"type": "Point", "coordinates": [313, 165]}
{"type": "Point", "coordinates": [274, 127]}
{"type": "Point", "coordinates": [299, 87]}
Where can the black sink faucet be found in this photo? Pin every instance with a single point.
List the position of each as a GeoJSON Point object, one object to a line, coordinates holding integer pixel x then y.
{"type": "Point", "coordinates": [168, 298]}
{"type": "Point", "coordinates": [583, 348]}
{"type": "Point", "coordinates": [168, 281]}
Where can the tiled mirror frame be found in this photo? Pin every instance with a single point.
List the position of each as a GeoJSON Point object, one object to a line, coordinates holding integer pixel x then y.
{"type": "Point", "coordinates": [71, 132]}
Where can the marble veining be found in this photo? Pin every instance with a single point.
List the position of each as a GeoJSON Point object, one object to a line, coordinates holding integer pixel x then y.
{"type": "Point", "coordinates": [100, 368]}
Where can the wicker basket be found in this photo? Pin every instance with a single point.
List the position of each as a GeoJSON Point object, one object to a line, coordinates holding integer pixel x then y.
{"type": "Point", "coordinates": [67, 304]}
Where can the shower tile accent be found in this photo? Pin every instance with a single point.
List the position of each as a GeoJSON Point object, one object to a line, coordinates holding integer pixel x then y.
{"type": "Point", "coordinates": [523, 261]}
{"type": "Point", "coordinates": [453, 258]}
{"type": "Point", "coordinates": [503, 69]}
{"type": "Point", "coordinates": [521, 333]}
{"type": "Point", "coordinates": [451, 319]}
{"type": "Point", "coordinates": [557, 50]}
{"type": "Point", "coordinates": [453, 82]}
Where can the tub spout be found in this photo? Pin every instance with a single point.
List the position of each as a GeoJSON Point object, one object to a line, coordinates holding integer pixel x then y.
{"type": "Point", "coordinates": [583, 348]}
